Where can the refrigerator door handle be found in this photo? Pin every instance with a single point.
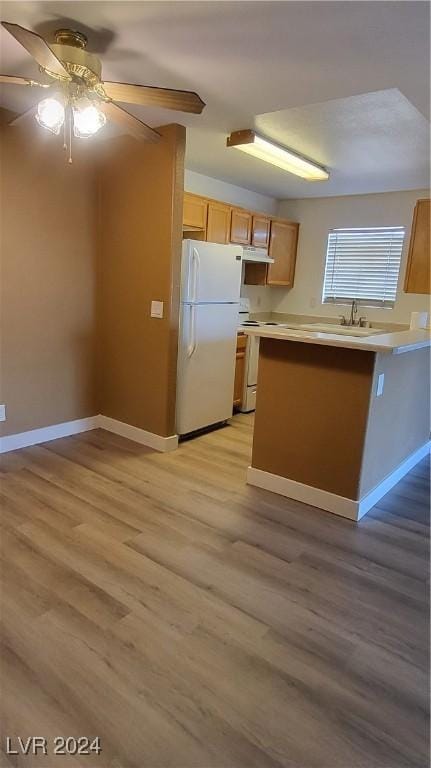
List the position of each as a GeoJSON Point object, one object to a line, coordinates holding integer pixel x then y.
{"type": "Point", "coordinates": [196, 263]}
{"type": "Point", "coordinates": [192, 331]}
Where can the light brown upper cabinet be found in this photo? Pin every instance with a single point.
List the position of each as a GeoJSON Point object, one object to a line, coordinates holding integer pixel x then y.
{"type": "Point", "coordinates": [261, 228]}
{"type": "Point", "coordinates": [282, 248]}
{"type": "Point", "coordinates": [195, 211]}
{"type": "Point", "coordinates": [240, 227]}
{"type": "Point", "coordinates": [418, 263]}
{"type": "Point", "coordinates": [218, 222]}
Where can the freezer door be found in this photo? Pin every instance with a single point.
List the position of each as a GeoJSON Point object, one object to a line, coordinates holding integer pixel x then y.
{"type": "Point", "coordinates": [210, 272]}
{"type": "Point", "coordinates": [206, 365]}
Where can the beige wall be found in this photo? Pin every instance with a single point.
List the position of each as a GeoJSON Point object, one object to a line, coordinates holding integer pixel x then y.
{"type": "Point", "coordinates": [84, 248]}
{"type": "Point", "coordinates": [399, 420]}
{"type": "Point", "coordinates": [139, 260]}
{"type": "Point", "coordinates": [317, 216]}
{"type": "Point", "coordinates": [47, 281]}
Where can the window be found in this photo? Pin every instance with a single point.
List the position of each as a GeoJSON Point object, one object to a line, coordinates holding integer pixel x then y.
{"type": "Point", "coordinates": [363, 264]}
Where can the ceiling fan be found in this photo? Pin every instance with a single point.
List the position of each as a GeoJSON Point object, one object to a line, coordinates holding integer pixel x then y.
{"type": "Point", "coordinates": [79, 101]}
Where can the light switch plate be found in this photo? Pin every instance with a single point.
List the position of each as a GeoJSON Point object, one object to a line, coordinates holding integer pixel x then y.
{"type": "Point", "coordinates": [157, 309]}
{"type": "Point", "coordinates": [2, 413]}
{"type": "Point", "coordinates": [380, 384]}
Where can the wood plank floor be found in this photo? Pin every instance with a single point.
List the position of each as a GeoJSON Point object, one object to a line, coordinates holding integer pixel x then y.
{"type": "Point", "coordinates": [192, 621]}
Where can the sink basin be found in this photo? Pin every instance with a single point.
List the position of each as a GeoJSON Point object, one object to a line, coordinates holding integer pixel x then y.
{"type": "Point", "coordinates": [341, 330]}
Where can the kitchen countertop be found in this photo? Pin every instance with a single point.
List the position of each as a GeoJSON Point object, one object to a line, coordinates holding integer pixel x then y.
{"type": "Point", "coordinates": [394, 343]}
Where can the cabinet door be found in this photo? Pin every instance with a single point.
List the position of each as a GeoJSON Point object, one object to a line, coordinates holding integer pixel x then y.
{"type": "Point", "coordinates": [418, 264]}
{"type": "Point", "coordinates": [282, 248]}
{"type": "Point", "coordinates": [239, 370]}
{"type": "Point", "coordinates": [218, 223]}
{"type": "Point", "coordinates": [194, 212]}
{"type": "Point", "coordinates": [260, 231]}
{"type": "Point", "coordinates": [240, 228]}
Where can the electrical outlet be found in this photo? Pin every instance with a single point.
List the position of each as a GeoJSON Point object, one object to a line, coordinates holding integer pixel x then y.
{"type": "Point", "coordinates": [258, 301]}
{"type": "Point", "coordinates": [313, 302]}
{"type": "Point", "coordinates": [2, 413]}
{"type": "Point", "coordinates": [380, 384]}
{"type": "Point", "coordinates": [157, 309]}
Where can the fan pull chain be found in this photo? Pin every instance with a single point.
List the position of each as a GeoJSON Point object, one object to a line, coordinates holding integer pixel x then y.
{"type": "Point", "coordinates": [70, 136]}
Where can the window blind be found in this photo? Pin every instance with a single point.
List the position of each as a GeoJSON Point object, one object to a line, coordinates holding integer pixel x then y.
{"type": "Point", "coordinates": [363, 264]}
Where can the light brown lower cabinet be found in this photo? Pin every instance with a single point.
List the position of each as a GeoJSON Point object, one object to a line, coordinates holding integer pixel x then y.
{"type": "Point", "coordinates": [241, 344]}
{"type": "Point", "coordinates": [418, 262]}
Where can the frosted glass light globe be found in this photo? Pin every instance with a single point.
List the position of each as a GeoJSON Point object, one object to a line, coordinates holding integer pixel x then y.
{"type": "Point", "coordinates": [87, 121]}
{"type": "Point", "coordinates": [50, 114]}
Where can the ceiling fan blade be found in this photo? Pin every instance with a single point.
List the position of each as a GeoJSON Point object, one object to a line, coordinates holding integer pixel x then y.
{"type": "Point", "coordinates": [24, 115]}
{"type": "Point", "coordinates": [31, 111]}
{"type": "Point", "coordinates": [129, 122]}
{"type": "Point", "coordinates": [15, 80]}
{"type": "Point", "coordinates": [38, 48]}
{"type": "Point", "coordinates": [183, 101]}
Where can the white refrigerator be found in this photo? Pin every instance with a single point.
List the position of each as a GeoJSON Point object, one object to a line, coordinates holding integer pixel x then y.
{"type": "Point", "coordinates": [210, 289]}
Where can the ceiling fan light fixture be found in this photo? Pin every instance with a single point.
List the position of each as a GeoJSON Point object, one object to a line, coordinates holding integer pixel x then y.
{"type": "Point", "coordinates": [87, 121]}
{"type": "Point", "coordinates": [264, 149]}
{"type": "Point", "coordinates": [85, 100]}
{"type": "Point", "coordinates": [50, 114]}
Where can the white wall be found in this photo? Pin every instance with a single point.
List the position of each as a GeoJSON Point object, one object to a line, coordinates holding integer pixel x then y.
{"type": "Point", "coordinates": [228, 193]}
{"type": "Point", "coordinates": [261, 297]}
{"type": "Point", "coordinates": [317, 216]}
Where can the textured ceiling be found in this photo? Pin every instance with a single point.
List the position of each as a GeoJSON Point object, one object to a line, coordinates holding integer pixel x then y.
{"type": "Point", "coordinates": [346, 83]}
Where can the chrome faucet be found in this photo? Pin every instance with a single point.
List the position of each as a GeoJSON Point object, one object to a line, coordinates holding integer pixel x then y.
{"type": "Point", "coordinates": [352, 319]}
{"type": "Point", "coordinates": [353, 313]}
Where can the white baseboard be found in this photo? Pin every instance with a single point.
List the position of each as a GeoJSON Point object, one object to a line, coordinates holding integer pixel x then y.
{"type": "Point", "coordinates": [330, 502]}
{"type": "Point", "coordinates": [67, 428]}
{"type": "Point", "coordinates": [374, 496]}
{"type": "Point", "coordinates": [141, 436]}
{"type": "Point", "coordinates": [315, 497]}
{"type": "Point", "coordinates": [44, 434]}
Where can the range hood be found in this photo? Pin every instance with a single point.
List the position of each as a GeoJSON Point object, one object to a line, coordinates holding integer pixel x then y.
{"type": "Point", "coordinates": [256, 254]}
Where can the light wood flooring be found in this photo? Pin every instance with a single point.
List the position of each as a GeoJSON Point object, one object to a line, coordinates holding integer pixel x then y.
{"type": "Point", "coordinates": [192, 621]}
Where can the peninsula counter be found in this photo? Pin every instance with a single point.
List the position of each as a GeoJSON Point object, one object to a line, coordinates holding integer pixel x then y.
{"type": "Point", "coordinates": [339, 420]}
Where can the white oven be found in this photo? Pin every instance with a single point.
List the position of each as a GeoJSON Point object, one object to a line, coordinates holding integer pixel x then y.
{"type": "Point", "coordinates": [248, 402]}
{"type": "Point", "coordinates": [250, 375]}
{"type": "Point", "coordinates": [251, 355]}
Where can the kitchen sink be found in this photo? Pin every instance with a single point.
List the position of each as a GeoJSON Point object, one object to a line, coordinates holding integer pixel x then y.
{"type": "Point", "coordinates": [341, 330]}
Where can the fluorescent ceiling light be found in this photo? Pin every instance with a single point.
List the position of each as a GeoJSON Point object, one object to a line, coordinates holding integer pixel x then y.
{"type": "Point", "coordinates": [250, 142]}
